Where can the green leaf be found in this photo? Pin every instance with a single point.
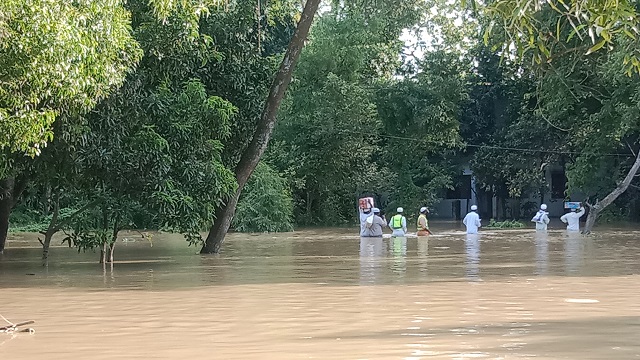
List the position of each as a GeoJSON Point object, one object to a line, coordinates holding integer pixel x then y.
{"type": "Point", "coordinates": [576, 30]}
{"type": "Point", "coordinates": [596, 47]}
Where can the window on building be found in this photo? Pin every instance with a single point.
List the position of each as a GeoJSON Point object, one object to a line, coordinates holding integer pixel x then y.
{"type": "Point", "coordinates": [462, 188]}
{"type": "Point", "coordinates": [558, 185]}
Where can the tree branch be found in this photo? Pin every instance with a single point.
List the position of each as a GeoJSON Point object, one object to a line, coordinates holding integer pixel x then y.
{"type": "Point", "coordinates": [68, 219]}
{"type": "Point", "coordinates": [18, 189]}
{"type": "Point", "coordinates": [622, 187]}
{"type": "Point", "coordinates": [630, 148]}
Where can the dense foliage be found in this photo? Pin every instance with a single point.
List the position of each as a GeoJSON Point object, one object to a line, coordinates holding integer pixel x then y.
{"type": "Point", "coordinates": [265, 205]}
{"type": "Point", "coordinates": [58, 57]}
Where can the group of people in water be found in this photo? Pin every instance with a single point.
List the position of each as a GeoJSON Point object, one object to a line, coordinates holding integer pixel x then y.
{"type": "Point", "coordinates": [372, 222]}
{"type": "Point", "coordinates": [572, 218]}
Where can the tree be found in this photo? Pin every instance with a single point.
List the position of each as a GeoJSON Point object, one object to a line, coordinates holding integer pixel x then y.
{"type": "Point", "coordinates": [598, 24]}
{"type": "Point", "coordinates": [326, 130]}
{"type": "Point", "coordinates": [597, 106]}
{"type": "Point", "coordinates": [193, 177]}
{"type": "Point", "coordinates": [579, 49]}
{"type": "Point", "coordinates": [420, 125]}
{"type": "Point", "coordinates": [56, 59]}
{"type": "Point", "coordinates": [265, 205]}
{"type": "Point", "coordinates": [500, 124]}
{"type": "Point", "coordinates": [264, 127]}
{"type": "Point", "coordinates": [165, 158]}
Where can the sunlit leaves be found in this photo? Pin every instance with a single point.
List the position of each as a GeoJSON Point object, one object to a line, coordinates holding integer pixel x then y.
{"type": "Point", "coordinates": [58, 57]}
{"type": "Point", "coordinates": [596, 23]}
{"type": "Point", "coordinates": [164, 8]}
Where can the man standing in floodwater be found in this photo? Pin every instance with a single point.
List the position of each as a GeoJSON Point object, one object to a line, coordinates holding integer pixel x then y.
{"type": "Point", "coordinates": [472, 221]}
{"type": "Point", "coordinates": [541, 218]}
{"type": "Point", "coordinates": [423, 223]}
{"type": "Point", "coordinates": [572, 219]}
{"type": "Point", "coordinates": [364, 214]}
{"type": "Point", "coordinates": [375, 224]}
{"type": "Point", "coordinates": [398, 224]}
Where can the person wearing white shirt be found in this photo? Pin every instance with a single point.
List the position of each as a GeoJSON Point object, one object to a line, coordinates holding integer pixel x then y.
{"type": "Point", "coordinates": [375, 224]}
{"type": "Point", "coordinates": [472, 221]}
{"type": "Point", "coordinates": [572, 219]}
{"type": "Point", "coordinates": [541, 218]}
{"type": "Point", "coordinates": [364, 214]}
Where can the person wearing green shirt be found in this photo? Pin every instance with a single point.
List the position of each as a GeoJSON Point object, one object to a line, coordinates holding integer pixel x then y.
{"type": "Point", "coordinates": [398, 224]}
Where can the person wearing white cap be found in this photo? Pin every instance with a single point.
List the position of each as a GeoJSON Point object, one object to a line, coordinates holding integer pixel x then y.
{"type": "Point", "coordinates": [374, 224]}
{"type": "Point", "coordinates": [572, 219]}
{"type": "Point", "coordinates": [365, 213]}
{"type": "Point", "coordinates": [398, 224]}
{"type": "Point", "coordinates": [472, 221]}
{"type": "Point", "coordinates": [541, 218]}
{"type": "Point", "coordinates": [423, 223]}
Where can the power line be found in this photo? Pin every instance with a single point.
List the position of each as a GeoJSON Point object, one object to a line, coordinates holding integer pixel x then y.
{"type": "Point", "coordinates": [544, 151]}
{"type": "Point", "coordinates": [484, 146]}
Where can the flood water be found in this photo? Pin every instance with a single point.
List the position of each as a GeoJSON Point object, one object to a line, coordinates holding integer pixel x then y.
{"type": "Point", "coordinates": [327, 294]}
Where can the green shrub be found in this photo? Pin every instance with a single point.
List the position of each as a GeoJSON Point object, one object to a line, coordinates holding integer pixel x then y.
{"type": "Point", "coordinates": [23, 219]}
{"type": "Point", "coordinates": [507, 224]}
{"type": "Point", "coordinates": [265, 203]}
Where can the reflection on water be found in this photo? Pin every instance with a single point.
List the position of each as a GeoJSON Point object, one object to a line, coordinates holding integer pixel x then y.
{"type": "Point", "coordinates": [399, 253]}
{"type": "Point", "coordinates": [371, 255]}
{"type": "Point", "coordinates": [327, 294]}
{"type": "Point", "coordinates": [573, 252]}
{"type": "Point", "coordinates": [542, 252]}
{"type": "Point", "coordinates": [423, 254]}
{"type": "Point", "coordinates": [472, 246]}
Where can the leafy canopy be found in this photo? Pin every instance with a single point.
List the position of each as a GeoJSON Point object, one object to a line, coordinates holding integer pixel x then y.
{"type": "Point", "coordinates": [598, 24]}
{"type": "Point", "coordinates": [58, 57]}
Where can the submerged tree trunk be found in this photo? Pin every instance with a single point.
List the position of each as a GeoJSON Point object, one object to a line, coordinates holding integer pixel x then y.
{"type": "Point", "coordinates": [55, 225]}
{"type": "Point", "coordinates": [5, 211]}
{"type": "Point", "coordinates": [596, 209]}
{"type": "Point", "coordinates": [114, 238]}
{"type": "Point", "coordinates": [252, 154]}
{"type": "Point", "coordinates": [111, 249]}
{"type": "Point", "coordinates": [10, 192]}
{"type": "Point", "coordinates": [51, 230]}
{"type": "Point", "coordinates": [103, 253]}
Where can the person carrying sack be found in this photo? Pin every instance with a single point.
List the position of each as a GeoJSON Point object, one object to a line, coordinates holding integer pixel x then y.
{"type": "Point", "coordinates": [541, 218]}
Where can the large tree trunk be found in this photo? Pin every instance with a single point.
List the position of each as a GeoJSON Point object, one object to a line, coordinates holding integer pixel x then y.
{"type": "Point", "coordinates": [596, 209]}
{"type": "Point", "coordinates": [5, 211]}
{"type": "Point", "coordinates": [103, 253]}
{"type": "Point", "coordinates": [10, 191]}
{"type": "Point", "coordinates": [51, 230]}
{"type": "Point", "coordinates": [252, 154]}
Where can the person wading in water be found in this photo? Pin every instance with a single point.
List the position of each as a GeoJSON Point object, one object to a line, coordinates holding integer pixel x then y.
{"type": "Point", "coordinates": [423, 223]}
{"type": "Point", "coordinates": [398, 224]}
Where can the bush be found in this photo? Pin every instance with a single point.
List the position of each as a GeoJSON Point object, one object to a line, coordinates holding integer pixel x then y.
{"type": "Point", "coordinates": [507, 224]}
{"type": "Point", "coordinates": [265, 203]}
{"type": "Point", "coordinates": [23, 219]}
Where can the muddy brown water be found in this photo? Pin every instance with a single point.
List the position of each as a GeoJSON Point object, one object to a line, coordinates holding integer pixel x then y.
{"type": "Point", "coordinates": [327, 294]}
